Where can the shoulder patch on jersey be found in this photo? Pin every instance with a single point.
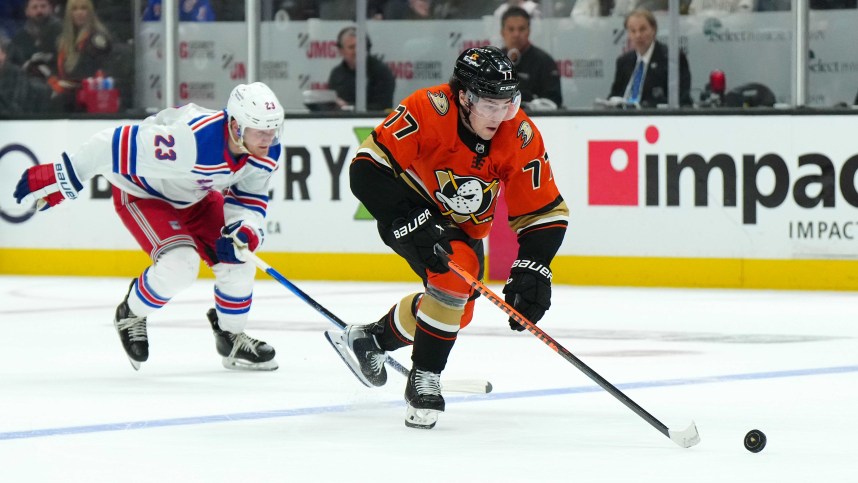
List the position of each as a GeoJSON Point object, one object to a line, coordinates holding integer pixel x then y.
{"type": "Point", "coordinates": [525, 132]}
{"type": "Point", "coordinates": [439, 102]}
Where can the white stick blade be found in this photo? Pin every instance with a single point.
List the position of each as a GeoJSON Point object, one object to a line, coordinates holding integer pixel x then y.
{"type": "Point", "coordinates": [469, 386]}
{"type": "Point", "coordinates": [687, 437]}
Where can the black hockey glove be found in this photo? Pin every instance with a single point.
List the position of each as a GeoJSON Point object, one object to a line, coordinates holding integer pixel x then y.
{"type": "Point", "coordinates": [417, 235]}
{"type": "Point", "coordinates": [528, 290]}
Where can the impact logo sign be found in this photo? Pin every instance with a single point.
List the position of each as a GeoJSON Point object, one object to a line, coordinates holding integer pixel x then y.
{"type": "Point", "coordinates": [751, 181]}
{"type": "Point", "coordinates": [613, 168]}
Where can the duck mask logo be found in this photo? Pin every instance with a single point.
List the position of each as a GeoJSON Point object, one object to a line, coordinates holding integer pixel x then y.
{"type": "Point", "coordinates": [465, 197]}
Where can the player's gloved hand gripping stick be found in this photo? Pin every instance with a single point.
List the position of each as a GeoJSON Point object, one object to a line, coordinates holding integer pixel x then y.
{"type": "Point", "coordinates": [685, 438]}
{"type": "Point", "coordinates": [460, 385]}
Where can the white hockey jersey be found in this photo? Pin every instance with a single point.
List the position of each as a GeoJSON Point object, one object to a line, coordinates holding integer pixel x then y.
{"type": "Point", "coordinates": [178, 156]}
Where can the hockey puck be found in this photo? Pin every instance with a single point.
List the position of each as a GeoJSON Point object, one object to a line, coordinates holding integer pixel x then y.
{"type": "Point", "coordinates": [755, 441]}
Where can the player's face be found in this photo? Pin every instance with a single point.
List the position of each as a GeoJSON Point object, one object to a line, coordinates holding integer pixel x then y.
{"type": "Point", "coordinates": [257, 141]}
{"type": "Point", "coordinates": [641, 33]}
{"type": "Point", "coordinates": [515, 33]}
{"type": "Point", "coordinates": [486, 115]}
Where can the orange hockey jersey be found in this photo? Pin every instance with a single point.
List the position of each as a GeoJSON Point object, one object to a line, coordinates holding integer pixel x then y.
{"type": "Point", "coordinates": [424, 143]}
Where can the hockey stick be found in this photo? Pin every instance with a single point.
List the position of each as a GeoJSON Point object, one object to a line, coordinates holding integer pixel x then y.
{"type": "Point", "coordinates": [460, 385]}
{"type": "Point", "coordinates": [685, 438]}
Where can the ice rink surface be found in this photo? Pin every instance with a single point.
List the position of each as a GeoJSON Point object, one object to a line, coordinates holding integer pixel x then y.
{"type": "Point", "coordinates": [74, 410]}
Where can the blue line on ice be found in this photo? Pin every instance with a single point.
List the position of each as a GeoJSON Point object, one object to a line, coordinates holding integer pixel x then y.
{"type": "Point", "coordinates": [283, 413]}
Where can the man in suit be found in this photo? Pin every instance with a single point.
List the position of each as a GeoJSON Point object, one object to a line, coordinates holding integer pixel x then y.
{"type": "Point", "coordinates": [641, 74]}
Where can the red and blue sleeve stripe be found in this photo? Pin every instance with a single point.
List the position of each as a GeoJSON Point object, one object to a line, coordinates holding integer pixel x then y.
{"type": "Point", "coordinates": [265, 163]}
{"type": "Point", "coordinates": [124, 149]}
{"type": "Point", "coordinates": [251, 201]}
{"type": "Point", "coordinates": [204, 121]}
{"type": "Point", "coordinates": [204, 170]}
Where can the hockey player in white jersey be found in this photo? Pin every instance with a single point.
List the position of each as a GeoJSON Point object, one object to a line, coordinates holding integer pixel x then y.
{"type": "Point", "coordinates": [189, 184]}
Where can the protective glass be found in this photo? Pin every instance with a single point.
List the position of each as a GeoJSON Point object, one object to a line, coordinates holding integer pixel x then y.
{"type": "Point", "coordinates": [494, 109]}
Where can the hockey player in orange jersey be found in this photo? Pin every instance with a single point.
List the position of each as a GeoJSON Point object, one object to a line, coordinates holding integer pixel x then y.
{"type": "Point", "coordinates": [431, 173]}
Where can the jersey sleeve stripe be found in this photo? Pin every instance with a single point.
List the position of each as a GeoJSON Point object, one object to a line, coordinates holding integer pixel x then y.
{"type": "Point", "coordinates": [202, 122]}
{"type": "Point", "coordinates": [250, 201]}
{"type": "Point", "coordinates": [369, 153]}
{"type": "Point", "coordinates": [222, 168]}
{"type": "Point", "coordinates": [124, 150]}
{"type": "Point", "coordinates": [258, 163]}
{"type": "Point", "coordinates": [261, 209]}
{"type": "Point", "coordinates": [531, 229]}
{"type": "Point", "coordinates": [264, 161]}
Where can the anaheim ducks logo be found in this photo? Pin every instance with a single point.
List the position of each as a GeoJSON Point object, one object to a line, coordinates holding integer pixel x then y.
{"type": "Point", "coordinates": [465, 197]}
{"type": "Point", "coordinates": [439, 102]}
{"type": "Point", "coordinates": [525, 132]}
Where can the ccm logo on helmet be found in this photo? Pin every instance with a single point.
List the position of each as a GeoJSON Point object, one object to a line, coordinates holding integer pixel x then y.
{"type": "Point", "coordinates": [536, 267]}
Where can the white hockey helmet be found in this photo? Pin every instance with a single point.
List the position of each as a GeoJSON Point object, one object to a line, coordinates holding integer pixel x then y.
{"type": "Point", "coordinates": [254, 106]}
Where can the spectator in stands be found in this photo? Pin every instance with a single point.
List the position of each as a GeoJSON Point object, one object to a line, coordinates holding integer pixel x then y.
{"type": "Point", "coordinates": [408, 10]}
{"type": "Point", "coordinates": [832, 4]}
{"type": "Point", "coordinates": [189, 11]}
{"type": "Point", "coordinates": [11, 17]}
{"type": "Point", "coordinates": [20, 94]}
{"type": "Point", "coordinates": [380, 81]}
{"type": "Point", "coordinates": [773, 5]}
{"type": "Point", "coordinates": [346, 9]}
{"type": "Point", "coordinates": [539, 81]}
{"type": "Point", "coordinates": [599, 8]}
{"type": "Point", "coordinates": [293, 10]}
{"type": "Point", "coordinates": [84, 48]}
{"type": "Point", "coordinates": [621, 8]}
{"type": "Point", "coordinates": [461, 9]}
{"type": "Point", "coordinates": [34, 47]}
{"type": "Point", "coordinates": [529, 6]}
{"type": "Point", "coordinates": [641, 74]}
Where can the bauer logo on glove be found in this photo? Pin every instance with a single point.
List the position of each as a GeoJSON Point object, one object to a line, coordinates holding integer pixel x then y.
{"type": "Point", "coordinates": [535, 266]}
{"type": "Point", "coordinates": [48, 184]}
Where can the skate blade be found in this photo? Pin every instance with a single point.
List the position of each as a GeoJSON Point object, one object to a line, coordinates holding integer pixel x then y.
{"type": "Point", "coordinates": [421, 418]}
{"type": "Point", "coordinates": [134, 364]}
{"type": "Point", "coordinates": [338, 342]}
{"type": "Point", "coordinates": [239, 365]}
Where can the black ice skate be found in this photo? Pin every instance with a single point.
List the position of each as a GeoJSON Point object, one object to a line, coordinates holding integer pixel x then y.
{"type": "Point", "coordinates": [358, 348]}
{"type": "Point", "coordinates": [132, 332]}
{"type": "Point", "coordinates": [423, 395]}
{"type": "Point", "coordinates": [240, 351]}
